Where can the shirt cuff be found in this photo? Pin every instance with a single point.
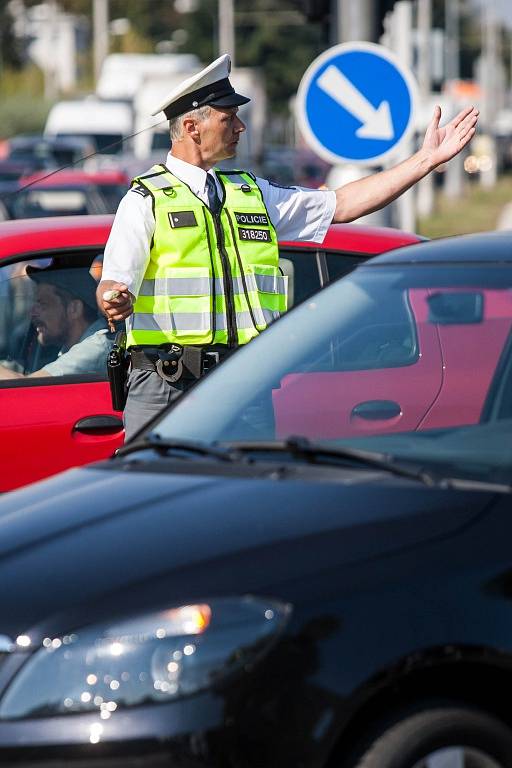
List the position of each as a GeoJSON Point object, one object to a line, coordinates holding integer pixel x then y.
{"type": "Point", "coordinates": [122, 277]}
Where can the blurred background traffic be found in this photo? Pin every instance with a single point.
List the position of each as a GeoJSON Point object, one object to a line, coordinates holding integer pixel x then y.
{"type": "Point", "coordinates": [80, 78]}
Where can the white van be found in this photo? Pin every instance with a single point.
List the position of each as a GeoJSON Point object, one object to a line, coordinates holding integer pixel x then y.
{"type": "Point", "coordinates": [122, 74]}
{"type": "Point", "coordinates": [152, 133]}
{"type": "Point", "coordinates": [106, 123]}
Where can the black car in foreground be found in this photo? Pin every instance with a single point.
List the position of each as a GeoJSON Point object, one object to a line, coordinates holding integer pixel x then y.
{"type": "Point", "coordinates": [305, 563]}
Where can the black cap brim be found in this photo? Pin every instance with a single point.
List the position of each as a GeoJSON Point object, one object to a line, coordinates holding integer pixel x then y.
{"type": "Point", "coordinates": [231, 100]}
{"type": "Point", "coordinates": [219, 94]}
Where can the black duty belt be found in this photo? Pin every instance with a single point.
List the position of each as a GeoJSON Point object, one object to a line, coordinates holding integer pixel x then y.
{"type": "Point", "coordinates": [173, 362]}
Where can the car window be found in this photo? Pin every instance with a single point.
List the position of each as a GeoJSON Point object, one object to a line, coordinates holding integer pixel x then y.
{"type": "Point", "coordinates": [49, 320]}
{"type": "Point", "coordinates": [301, 268]}
{"type": "Point", "coordinates": [108, 142]}
{"type": "Point", "coordinates": [33, 203]}
{"type": "Point", "coordinates": [160, 140]}
{"type": "Point", "coordinates": [112, 195]}
{"type": "Point", "coordinates": [340, 263]}
{"type": "Point", "coordinates": [369, 343]}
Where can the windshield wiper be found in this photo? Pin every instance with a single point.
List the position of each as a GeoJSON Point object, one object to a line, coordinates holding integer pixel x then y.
{"type": "Point", "coordinates": [155, 442]}
{"type": "Point", "coordinates": [298, 447]}
{"type": "Point", "coordinates": [470, 484]}
{"type": "Point", "coordinates": [315, 453]}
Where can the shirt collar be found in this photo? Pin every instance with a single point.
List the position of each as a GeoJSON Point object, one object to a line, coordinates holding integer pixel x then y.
{"type": "Point", "coordinates": [190, 174]}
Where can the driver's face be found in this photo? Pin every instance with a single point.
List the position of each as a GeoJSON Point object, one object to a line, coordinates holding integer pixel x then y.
{"type": "Point", "coordinates": [49, 316]}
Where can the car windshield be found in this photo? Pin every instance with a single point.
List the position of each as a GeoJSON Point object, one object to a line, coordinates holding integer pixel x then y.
{"type": "Point", "coordinates": [412, 361]}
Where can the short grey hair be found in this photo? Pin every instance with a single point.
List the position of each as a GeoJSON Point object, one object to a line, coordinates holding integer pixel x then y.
{"type": "Point", "coordinates": [176, 123]}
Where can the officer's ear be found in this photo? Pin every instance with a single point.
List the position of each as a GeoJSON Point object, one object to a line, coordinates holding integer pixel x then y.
{"type": "Point", "coordinates": [191, 128]}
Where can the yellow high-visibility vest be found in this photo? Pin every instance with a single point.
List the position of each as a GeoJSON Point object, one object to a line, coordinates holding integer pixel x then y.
{"type": "Point", "coordinates": [211, 279]}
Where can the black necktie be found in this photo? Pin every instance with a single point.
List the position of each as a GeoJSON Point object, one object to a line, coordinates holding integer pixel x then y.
{"type": "Point", "coordinates": [213, 195]}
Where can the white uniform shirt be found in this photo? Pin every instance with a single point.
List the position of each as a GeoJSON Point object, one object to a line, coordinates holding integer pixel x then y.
{"type": "Point", "coordinates": [297, 213]}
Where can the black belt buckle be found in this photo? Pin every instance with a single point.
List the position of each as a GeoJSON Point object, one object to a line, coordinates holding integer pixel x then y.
{"type": "Point", "coordinates": [210, 360]}
{"type": "Point", "coordinates": [169, 364]}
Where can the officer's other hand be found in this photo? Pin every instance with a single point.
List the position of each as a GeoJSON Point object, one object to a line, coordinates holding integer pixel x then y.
{"type": "Point", "coordinates": [114, 300]}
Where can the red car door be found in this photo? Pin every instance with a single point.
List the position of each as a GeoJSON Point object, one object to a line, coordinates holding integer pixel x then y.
{"type": "Point", "coordinates": [471, 353]}
{"type": "Point", "coordinates": [372, 400]}
{"type": "Point", "coordinates": [55, 414]}
{"type": "Point", "coordinates": [46, 428]}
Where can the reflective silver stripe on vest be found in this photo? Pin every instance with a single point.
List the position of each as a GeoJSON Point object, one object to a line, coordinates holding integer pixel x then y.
{"type": "Point", "coordinates": [264, 316]}
{"type": "Point", "coordinates": [176, 286]}
{"type": "Point", "coordinates": [160, 182]}
{"type": "Point", "coordinates": [271, 283]}
{"type": "Point", "coordinates": [264, 283]}
{"type": "Point", "coordinates": [198, 321]}
{"type": "Point", "coordinates": [234, 178]}
{"type": "Point", "coordinates": [200, 286]}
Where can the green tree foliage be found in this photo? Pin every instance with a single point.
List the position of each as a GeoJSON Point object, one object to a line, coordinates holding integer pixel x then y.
{"type": "Point", "coordinates": [274, 37]}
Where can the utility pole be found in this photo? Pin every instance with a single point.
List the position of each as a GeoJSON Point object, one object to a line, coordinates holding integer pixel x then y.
{"type": "Point", "coordinates": [227, 29]}
{"type": "Point", "coordinates": [401, 43]}
{"type": "Point", "coordinates": [452, 45]}
{"type": "Point", "coordinates": [454, 174]}
{"type": "Point", "coordinates": [425, 199]}
{"type": "Point", "coordinates": [490, 76]}
{"type": "Point", "coordinates": [50, 69]}
{"type": "Point", "coordinates": [100, 16]}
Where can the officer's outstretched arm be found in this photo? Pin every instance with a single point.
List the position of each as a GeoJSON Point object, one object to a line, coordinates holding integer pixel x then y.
{"type": "Point", "coordinates": [439, 146]}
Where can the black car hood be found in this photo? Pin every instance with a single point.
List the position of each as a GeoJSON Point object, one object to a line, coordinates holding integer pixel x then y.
{"type": "Point", "coordinates": [102, 540]}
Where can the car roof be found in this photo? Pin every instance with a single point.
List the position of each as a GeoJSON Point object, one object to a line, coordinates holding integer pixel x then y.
{"type": "Point", "coordinates": [482, 246]}
{"type": "Point", "coordinates": [34, 139]}
{"type": "Point", "coordinates": [20, 236]}
{"type": "Point", "coordinates": [71, 177]}
{"type": "Point", "coordinates": [358, 238]}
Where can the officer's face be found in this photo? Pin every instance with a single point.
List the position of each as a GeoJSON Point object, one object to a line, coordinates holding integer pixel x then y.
{"type": "Point", "coordinates": [220, 133]}
{"type": "Point", "coordinates": [49, 316]}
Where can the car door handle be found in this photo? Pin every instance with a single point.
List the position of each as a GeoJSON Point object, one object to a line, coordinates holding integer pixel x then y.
{"type": "Point", "coordinates": [377, 409]}
{"type": "Point", "coordinates": [91, 424]}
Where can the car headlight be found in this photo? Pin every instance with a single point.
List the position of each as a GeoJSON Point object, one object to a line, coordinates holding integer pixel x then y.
{"type": "Point", "coordinates": [156, 657]}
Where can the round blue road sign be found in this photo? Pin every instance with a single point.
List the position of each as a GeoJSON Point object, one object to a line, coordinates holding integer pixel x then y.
{"type": "Point", "coordinates": [356, 103]}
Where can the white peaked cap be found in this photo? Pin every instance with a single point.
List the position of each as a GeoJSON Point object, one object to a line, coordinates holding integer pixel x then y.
{"type": "Point", "coordinates": [210, 86]}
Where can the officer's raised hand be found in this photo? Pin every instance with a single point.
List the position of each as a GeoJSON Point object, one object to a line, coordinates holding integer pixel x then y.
{"type": "Point", "coordinates": [444, 142]}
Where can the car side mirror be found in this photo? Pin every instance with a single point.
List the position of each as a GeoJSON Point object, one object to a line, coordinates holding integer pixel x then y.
{"type": "Point", "coordinates": [456, 308]}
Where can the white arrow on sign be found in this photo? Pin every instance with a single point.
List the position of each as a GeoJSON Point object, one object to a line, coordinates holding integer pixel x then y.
{"type": "Point", "coordinates": [376, 123]}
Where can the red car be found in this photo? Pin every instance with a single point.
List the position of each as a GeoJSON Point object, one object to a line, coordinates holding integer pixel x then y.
{"type": "Point", "coordinates": [66, 193]}
{"type": "Point", "coordinates": [405, 374]}
{"type": "Point", "coordinates": [51, 423]}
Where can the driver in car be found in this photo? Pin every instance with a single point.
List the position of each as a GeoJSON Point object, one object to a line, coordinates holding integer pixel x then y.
{"type": "Point", "coordinates": [65, 315]}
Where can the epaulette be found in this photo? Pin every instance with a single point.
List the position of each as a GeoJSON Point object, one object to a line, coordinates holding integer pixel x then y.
{"type": "Point", "coordinates": [140, 190]}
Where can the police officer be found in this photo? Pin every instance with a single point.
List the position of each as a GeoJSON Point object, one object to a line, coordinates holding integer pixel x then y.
{"type": "Point", "coordinates": [192, 259]}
